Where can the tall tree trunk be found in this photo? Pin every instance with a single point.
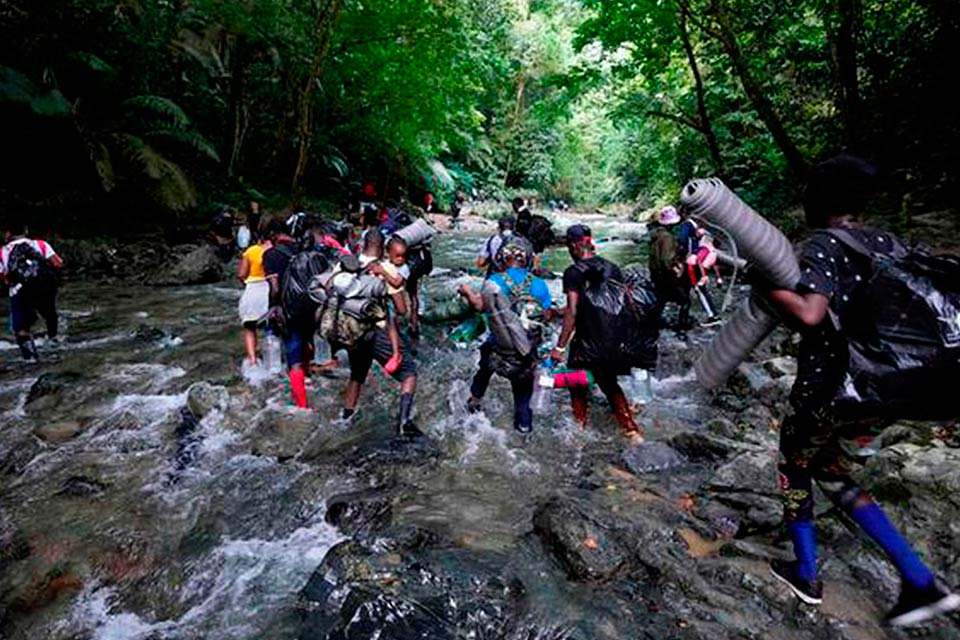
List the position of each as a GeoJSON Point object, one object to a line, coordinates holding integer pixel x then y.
{"type": "Point", "coordinates": [327, 14]}
{"type": "Point", "coordinates": [758, 98]}
{"type": "Point", "coordinates": [239, 109]}
{"type": "Point", "coordinates": [517, 121]}
{"type": "Point", "coordinates": [706, 125]}
{"type": "Point", "coordinates": [846, 57]}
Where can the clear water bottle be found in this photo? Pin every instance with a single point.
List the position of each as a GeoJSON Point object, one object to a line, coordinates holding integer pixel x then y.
{"type": "Point", "coordinates": [642, 386]}
{"type": "Point", "coordinates": [542, 387]}
{"type": "Point", "coordinates": [272, 358]}
{"type": "Point", "coordinates": [321, 349]}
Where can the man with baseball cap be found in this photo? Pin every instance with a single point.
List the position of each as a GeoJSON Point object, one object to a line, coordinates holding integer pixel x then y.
{"type": "Point", "coordinates": [589, 269]}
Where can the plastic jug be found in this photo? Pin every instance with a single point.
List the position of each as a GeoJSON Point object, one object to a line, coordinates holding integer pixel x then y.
{"type": "Point", "coordinates": [272, 358]}
{"type": "Point", "coordinates": [638, 386]}
{"type": "Point", "coordinates": [542, 386]}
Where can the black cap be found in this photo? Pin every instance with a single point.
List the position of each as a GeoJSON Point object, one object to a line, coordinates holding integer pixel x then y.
{"type": "Point", "coordinates": [505, 223]}
{"type": "Point", "coordinates": [578, 232]}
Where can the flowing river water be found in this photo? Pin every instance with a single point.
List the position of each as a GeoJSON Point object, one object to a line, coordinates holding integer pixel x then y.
{"type": "Point", "coordinates": [150, 491]}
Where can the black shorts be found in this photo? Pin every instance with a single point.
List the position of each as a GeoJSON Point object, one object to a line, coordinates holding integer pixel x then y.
{"type": "Point", "coordinates": [420, 263]}
{"type": "Point", "coordinates": [377, 347]}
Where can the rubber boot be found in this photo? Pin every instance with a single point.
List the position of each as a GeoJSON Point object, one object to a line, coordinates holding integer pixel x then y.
{"type": "Point", "coordinates": [298, 388]}
{"type": "Point", "coordinates": [623, 414]}
{"type": "Point", "coordinates": [580, 405]}
{"type": "Point", "coordinates": [28, 350]}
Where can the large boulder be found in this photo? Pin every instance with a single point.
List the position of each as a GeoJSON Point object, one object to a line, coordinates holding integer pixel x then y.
{"type": "Point", "coordinates": [51, 384]}
{"type": "Point", "coordinates": [59, 432]}
{"type": "Point", "coordinates": [651, 457]}
{"type": "Point", "coordinates": [922, 484]}
{"type": "Point", "coordinates": [747, 486]}
{"type": "Point", "coordinates": [203, 397]}
{"type": "Point", "coordinates": [444, 594]}
{"type": "Point", "coordinates": [585, 546]}
{"type": "Point", "coordinates": [201, 265]}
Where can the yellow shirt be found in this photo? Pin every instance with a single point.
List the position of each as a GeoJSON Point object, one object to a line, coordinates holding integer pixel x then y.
{"type": "Point", "coordinates": [254, 255]}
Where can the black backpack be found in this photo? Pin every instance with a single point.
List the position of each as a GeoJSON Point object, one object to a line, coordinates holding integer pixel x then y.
{"type": "Point", "coordinates": [295, 285]}
{"type": "Point", "coordinates": [27, 267]}
{"type": "Point", "coordinates": [902, 327]}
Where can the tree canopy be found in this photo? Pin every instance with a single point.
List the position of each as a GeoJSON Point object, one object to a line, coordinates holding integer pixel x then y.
{"type": "Point", "coordinates": [172, 106]}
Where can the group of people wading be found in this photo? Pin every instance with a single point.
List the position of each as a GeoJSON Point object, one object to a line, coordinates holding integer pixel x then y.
{"type": "Point", "coordinates": [356, 290]}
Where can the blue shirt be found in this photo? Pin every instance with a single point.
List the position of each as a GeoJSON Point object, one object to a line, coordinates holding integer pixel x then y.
{"type": "Point", "coordinates": [687, 240]}
{"type": "Point", "coordinates": [538, 288]}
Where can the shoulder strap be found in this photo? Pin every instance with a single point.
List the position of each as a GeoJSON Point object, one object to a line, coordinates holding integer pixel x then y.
{"type": "Point", "coordinates": [848, 240]}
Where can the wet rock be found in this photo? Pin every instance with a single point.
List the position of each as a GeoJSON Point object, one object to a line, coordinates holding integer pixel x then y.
{"type": "Point", "coordinates": [281, 434]}
{"type": "Point", "coordinates": [451, 593]}
{"type": "Point", "coordinates": [780, 367]}
{"type": "Point", "coordinates": [147, 334]}
{"type": "Point", "coordinates": [13, 546]}
{"type": "Point", "coordinates": [188, 440]}
{"type": "Point", "coordinates": [201, 265]}
{"type": "Point", "coordinates": [59, 432]}
{"type": "Point", "coordinates": [704, 447]}
{"type": "Point", "coordinates": [924, 484]}
{"type": "Point", "coordinates": [203, 397]}
{"type": "Point", "coordinates": [393, 451]}
{"type": "Point", "coordinates": [585, 546]}
{"type": "Point", "coordinates": [918, 434]}
{"type": "Point", "coordinates": [361, 513]}
{"type": "Point", "coordinates": [15, 459]}
{"type": "Point", "coordinates": [650, 457]}
{"type": "Point", "coordinates": [747, 484]}
{"type": "Point", "coordinates": [52, 383]}
{"type": "Point", "coordinates": [81, 487]}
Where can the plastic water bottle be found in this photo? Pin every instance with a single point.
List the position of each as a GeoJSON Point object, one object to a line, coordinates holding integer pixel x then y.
{"type": "Point", "coordinates": [321, 350]}
{"type": "Point", "coordinates": [637, 386]}
{"type": "Point", "coordinates": [272, 359]}
{"type": "Point", "coordinates": [542, 386]}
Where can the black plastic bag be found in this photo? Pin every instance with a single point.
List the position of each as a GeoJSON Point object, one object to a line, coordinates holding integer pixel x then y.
{"type": "Point", "coordinates": [617, 323]}
{"type": "Point", "coordinates": [295, 287]}
{"type": "Point", "coordinates": [903, 333]}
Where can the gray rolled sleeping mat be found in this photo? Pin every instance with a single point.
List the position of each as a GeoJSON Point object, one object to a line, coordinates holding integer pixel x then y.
{"type": "Point", "coordinates": [504, 321]}
{"type": "Point", "coordinates": [416, 233]}
{"type": "Point", "coordinates": [766, 249]}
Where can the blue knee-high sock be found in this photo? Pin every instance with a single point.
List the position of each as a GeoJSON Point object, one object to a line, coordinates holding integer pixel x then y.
{"type": "Point", "coordinates": [804, 536]}
{"type": "Point", "coordinates": [875, 523]}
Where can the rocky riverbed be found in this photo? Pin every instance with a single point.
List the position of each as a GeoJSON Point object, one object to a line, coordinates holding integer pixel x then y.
{"type": "Point", "coordinates": [150, 491]}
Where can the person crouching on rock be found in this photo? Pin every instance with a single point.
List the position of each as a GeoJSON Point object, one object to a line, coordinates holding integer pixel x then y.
{"type": "Point", "coordinates": [589, 269]}
{"type": "Point", "coordinates": [814, 443]}
{"type": "Point", "coordinates": [530, 302]}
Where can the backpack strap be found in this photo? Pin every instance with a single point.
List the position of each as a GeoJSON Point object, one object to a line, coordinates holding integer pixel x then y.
{"type": "Point", "coordinates": [897, 250]}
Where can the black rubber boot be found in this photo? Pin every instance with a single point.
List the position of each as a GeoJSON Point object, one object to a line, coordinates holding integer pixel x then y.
{"type": "Point", "coordinates": [28, 350]}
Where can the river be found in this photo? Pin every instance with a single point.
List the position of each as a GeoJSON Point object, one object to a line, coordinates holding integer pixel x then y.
{"type": "Point", "coordinates": [124, 515]}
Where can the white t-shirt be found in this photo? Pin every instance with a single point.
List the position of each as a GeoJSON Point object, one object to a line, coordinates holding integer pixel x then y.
{"type": "Point", "coordinates": [43, 248]}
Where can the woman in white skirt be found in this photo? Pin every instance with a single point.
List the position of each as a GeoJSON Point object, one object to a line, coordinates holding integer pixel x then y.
{"type": "Point", "coordinates": [255, 301]}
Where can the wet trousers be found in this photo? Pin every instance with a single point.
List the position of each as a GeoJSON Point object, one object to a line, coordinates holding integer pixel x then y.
{"type": "Point", "coordinates": [522, 388]}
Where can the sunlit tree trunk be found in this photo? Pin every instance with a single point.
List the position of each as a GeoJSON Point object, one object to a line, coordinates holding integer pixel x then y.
{"type": "Point", "coordinates": [705, 124]}
{"type": "Point", "coordinates": [327, 13]}
{"type": "Point", "coordinates": [756, 94]}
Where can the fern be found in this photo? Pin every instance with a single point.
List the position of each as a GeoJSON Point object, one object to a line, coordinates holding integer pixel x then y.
{"type": "Point", "coordinates": [186, 138]}
{"type": "Point", "coordinates": [159, 106]}
{"type": "Point", "coordinates": [333, 159]}
{"type": "Point", "coordinates": [163, 180]}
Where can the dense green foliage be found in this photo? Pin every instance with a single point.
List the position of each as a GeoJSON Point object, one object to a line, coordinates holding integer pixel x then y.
{"type": "Point", "coordinates": [170, 106]}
